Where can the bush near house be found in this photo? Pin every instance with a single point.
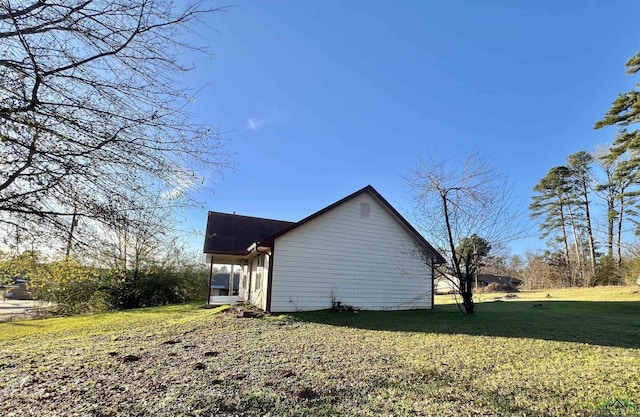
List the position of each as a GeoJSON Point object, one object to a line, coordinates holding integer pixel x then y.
{"type": "Point", "coordinates": [153, 287]}
{"type": "Point", "coordinates": [74, 288]}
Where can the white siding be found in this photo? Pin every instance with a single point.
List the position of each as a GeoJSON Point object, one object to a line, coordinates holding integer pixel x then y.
{"type": "Point", "coordinates": [258, 294]}
{"type": "Point", "coordinates": [243, 291]}
{"type": "Point", "coordinates": [371, 263]}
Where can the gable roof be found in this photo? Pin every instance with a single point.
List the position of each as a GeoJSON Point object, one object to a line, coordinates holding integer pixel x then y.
{"type": "Point", "coordinates": [233, 233]}
{"type": "Point", "coordinates": [368, 189]}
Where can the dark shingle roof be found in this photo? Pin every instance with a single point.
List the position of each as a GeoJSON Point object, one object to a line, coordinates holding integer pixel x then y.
{"type": "Point", "coordinates": [232, 233]}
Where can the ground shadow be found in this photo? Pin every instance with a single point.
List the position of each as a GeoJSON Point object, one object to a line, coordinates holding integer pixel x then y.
{"type": "Point", "coordinates": [592, 322]}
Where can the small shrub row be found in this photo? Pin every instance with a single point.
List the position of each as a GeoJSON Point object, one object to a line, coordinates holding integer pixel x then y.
{"type": "Point", "coordinates": [497, 287]}
{"type": "Point", "coordinates": [75, 289]}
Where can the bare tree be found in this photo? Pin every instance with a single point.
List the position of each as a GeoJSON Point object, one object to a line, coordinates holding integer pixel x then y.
{"type": "Point", "coordinates": [93, 120]}
{"type": "Point", "coordinates": [457, 202]}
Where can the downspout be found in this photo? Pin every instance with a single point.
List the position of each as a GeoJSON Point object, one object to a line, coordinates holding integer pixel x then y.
{"type": "Point", "coordinates": [433, 289]}
{"type": "Point", "coordinates": [250, 280]}
{"type": "Point", "coordinates": [269, 276]}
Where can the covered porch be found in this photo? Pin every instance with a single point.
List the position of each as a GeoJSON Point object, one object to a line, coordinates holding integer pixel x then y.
{"type": "Point", "coordinates": [230, 240]}
{"type": "Point", "coordinates": [244, 278]}
{"type": "Point", "coordinates": [226, 290]}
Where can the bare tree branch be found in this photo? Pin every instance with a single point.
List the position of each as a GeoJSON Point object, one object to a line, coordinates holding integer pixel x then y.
{"type": "Point", "coordinates": [92, 112]}
{"type": "Point", "coordinates": [456, 202]}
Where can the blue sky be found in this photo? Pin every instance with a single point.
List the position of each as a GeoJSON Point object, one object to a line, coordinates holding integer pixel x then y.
{"type": "Point", "coordinates": [316, 99]}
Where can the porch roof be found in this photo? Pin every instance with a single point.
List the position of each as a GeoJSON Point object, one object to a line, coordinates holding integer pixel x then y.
{"type": "Point", "coordinates": [231, 234]}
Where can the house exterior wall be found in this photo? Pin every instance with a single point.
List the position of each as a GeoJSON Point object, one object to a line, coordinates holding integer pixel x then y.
{"type": "Point", "coordinates": [370, 263]}
{"type": "Point", "coordinates": [257, 291]}
{"type": "Point", "coordinates": [243, 288]}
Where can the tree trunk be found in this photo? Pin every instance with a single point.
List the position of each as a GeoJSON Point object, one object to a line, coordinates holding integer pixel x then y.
{"type": "Point", "coordinates": [610, 220]}
{"type": "Point", "coordinates": [611, 211]}
{"type": "Point", "coordinates": [576, 247]}
{"type": "Point", "coordinates": [464, 281]}
{"type": "Point", "coordinates": [619, 243]}
{"type": "Point", "coordinates": [564, 237]}
{"type": "Point", "coordinates": [592, 250]}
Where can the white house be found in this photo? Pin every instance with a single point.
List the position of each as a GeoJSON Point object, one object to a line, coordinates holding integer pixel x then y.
{"type": "Point", "coordinates": [446, 284]}
{"type": "Point", "coordinates": [358, 251]}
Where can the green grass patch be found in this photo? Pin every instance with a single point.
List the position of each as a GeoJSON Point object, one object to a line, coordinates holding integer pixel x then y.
{"type": "Point", "coordinates": [571, 356]}
{"type": "Point", "coordinates": [608, 316]}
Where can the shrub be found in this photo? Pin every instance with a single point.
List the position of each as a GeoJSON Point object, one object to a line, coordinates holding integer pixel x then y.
{"type": "Point", "coordinates": [608, 273]}
{"type": "Point", "coordinates": [17, 266]}
{"type": "Point", "coordinates": [153, 287]}
{"type": "Point", "coordinates": [74, 288]}
{"type": "Point", "coordinates": [498, 287]}
{"type": "Point", "coordinates": [67, 284]}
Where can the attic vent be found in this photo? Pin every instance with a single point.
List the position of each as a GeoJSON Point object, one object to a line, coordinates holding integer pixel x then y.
{"type": "Point", "coordinates": [365, 209]}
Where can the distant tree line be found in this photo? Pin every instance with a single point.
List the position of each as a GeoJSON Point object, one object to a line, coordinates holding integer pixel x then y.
{"type": "Point", "coordinates": [585, 250]}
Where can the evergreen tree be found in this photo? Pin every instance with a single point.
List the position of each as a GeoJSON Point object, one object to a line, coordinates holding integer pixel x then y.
{"type": "Point", "coordinates": [621, 174]}
{"type": "Point", "coordinates": [608, 190]}
{"type": "Point", "coordinates": [625, 114]}
{"type": "Point", "coordinates": [551, 205]}
{"type": "Point", "coordinates": [470, 251]}
{"type": "Point", "coordinates": [579, 164]}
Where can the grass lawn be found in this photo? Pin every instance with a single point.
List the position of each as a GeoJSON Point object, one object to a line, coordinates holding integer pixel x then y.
{"type": "Point", "coordinates": [567, 354]}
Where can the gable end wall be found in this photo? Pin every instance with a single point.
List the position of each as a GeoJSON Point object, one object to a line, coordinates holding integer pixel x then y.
{"type": "Point", "coordinates": [369, 263]}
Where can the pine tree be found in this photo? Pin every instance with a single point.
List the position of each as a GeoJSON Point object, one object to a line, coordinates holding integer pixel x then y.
{"type": "Point", "coordinates": [625, 114]}
{"type": "Point", "coordinates": [579, 165]}
{"type": "Point", "coordinates": [551, 204]}
{"type": "Point", "coordinates": [621, 174]}
{"type": "Point", "coordinates": [608, 190]}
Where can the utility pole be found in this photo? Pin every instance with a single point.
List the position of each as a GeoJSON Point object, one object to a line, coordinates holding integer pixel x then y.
{"type": "Point", "coordinates": [74, 223]}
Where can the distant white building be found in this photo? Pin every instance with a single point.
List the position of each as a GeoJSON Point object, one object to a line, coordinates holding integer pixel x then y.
{"type": "Point", "coordinates": [448, 284]}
